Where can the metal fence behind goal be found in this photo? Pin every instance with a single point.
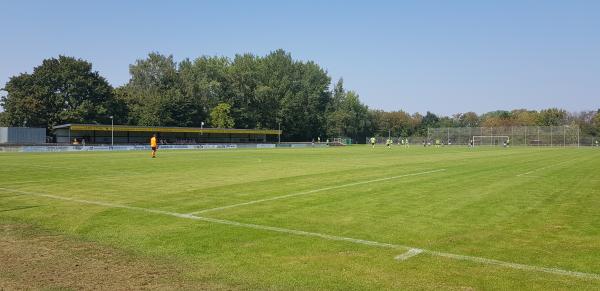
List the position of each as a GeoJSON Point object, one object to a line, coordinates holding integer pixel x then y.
{"type": "Point", "coordinates": [567, 135]}
{"type": "Point", "coordinates": [518, 135]}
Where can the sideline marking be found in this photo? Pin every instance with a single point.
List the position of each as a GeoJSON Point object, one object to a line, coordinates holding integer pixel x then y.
{"type": "Point", "coordinates": [313, 191]}
{"type": "Point", "coordinates": [67, 180]}
{"type": "Point", "coordinates": [542, 168]}
{"type": "Point", "coordinates": [481, 260]}
{"type": "Point", "coordinates": [409, 254]}
{"type": "Point", "coordinates": [48, 167]}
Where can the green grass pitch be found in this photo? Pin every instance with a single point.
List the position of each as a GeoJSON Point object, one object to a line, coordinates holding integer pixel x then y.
{"type": "Point", "coordinates": [328, 218]}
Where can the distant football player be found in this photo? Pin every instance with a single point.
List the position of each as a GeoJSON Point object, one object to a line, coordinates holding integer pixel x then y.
{"type": "Point", "coordinates": [388, 143]}
{"type": "Point", "coordinates": [373, 142]}
{"type": "Point", "coordinates": [153, 145]}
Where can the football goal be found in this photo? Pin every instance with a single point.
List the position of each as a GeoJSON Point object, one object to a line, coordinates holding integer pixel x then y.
{"type": "Point", "coordinates": [490, 140]}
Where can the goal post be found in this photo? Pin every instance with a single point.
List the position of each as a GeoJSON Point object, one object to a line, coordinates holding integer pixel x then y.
{"type": "Point", "coordinates": [490, 140]}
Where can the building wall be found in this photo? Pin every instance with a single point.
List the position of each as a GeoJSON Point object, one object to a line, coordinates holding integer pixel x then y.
{"type": "Point", "coordinates": [22, 135]}
{"type": "Point", "coordinates": [3, 135]}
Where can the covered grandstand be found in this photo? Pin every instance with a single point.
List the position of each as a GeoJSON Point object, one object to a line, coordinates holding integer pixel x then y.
{"type": "Point", "coordinates": [128, 134]}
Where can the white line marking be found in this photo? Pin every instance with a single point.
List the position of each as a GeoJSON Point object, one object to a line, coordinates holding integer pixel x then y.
{"type": "Point", "coordinates": [517, 266]}
{"type": "Point", "coordinates": [542, 168]}
{"type": "Point", "coordinates": [47, 167]}
{"type": "Point", "coordinates": [214, 220]}
{"type": "Point", "coordinates": [313, 191]}
{"type": "Point", "coordinates": [481, 260]}
{"type": "Point", "coordinates": [67, 180]}
{"type": "Point", "coordinates": [23, 182]}
{"type": "Point", "coordinates": [409, 254]}
{"type": "Point", "coordinates": [529, 176]}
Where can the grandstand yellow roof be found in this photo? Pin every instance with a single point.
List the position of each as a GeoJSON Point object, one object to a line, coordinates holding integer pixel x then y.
{"type": "Point", "coordinates": [132, 128]}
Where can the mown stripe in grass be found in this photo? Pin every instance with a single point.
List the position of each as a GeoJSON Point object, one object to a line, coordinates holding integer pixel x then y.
{"type": "Point", "coordinates": [486, 261]}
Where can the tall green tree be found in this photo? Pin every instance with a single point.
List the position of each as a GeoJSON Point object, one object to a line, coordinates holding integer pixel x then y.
{"type": "Point", "coordinates": [552, 116]}
{"type": "Point", "coordinates": [595, 123]}
{"type": "Point", "coordinates": [220, 116]}
{"type": "Point", "coordinates": [156, 96]}
{"type": "Point", "coordinates": [498, 118]}
{"type": "Point", "coordinates": [60, 90]}
{"type": "Point", "coordinates": [263, 92]}
{"type": "Point", "coordinates": [3, 121]}
{"type": "Point", "coordinates": [206, 81]}
{"type": "Point", "coordinates": [429, 120]}
{"type": "Point", "coordinates": [468, 119]}
{"type": "Point", "coordinates": [347, 116]}
{"type": "Point", "coordinates": [399, 123]}
{"type": "Point", "coordinates": [523, 117]}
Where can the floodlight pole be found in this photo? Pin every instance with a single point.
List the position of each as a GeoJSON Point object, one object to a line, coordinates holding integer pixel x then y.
{"type": "Point", "coordinates": [279, 133]}
{"type": "Point", "coordinates": [112, 132]}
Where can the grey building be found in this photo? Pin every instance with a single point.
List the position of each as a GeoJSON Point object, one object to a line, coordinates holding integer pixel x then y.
{"type": "Point", "coordinates": [22, 135]}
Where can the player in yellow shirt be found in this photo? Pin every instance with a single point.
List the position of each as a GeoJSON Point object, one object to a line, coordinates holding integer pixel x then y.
{"type": "Point", "coordinates": [153, 145]}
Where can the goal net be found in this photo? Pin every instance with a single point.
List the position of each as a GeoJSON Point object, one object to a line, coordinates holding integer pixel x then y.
{"type": "Point", "coordinates": [490, 140]}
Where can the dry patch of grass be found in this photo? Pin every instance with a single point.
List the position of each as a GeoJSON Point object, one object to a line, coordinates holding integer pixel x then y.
{"type": "Point", "coordinates": [35, 259]}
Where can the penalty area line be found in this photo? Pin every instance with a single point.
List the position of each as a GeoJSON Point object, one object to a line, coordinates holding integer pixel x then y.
{"type": "Point", "coordinates": [412, 251]}
{"type": "Point", "coordinates": [314, 191]}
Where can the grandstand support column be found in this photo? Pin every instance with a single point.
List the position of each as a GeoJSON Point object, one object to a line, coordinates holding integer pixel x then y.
{"type": "Point", "coordinates": [112, 132]}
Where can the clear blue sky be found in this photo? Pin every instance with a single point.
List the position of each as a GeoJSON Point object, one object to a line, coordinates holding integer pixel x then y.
{"type": "Point", "coordinates": [442, 56]}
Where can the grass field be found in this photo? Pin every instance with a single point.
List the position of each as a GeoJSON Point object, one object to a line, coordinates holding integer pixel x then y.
{"type": "Point", "coordinates": [323, 218]}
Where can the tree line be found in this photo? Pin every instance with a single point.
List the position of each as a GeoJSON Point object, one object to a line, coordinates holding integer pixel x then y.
{"type": "Point", "coordinates": [247, 91]}
{"type": "Point", "coordinates": [401, 123]}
